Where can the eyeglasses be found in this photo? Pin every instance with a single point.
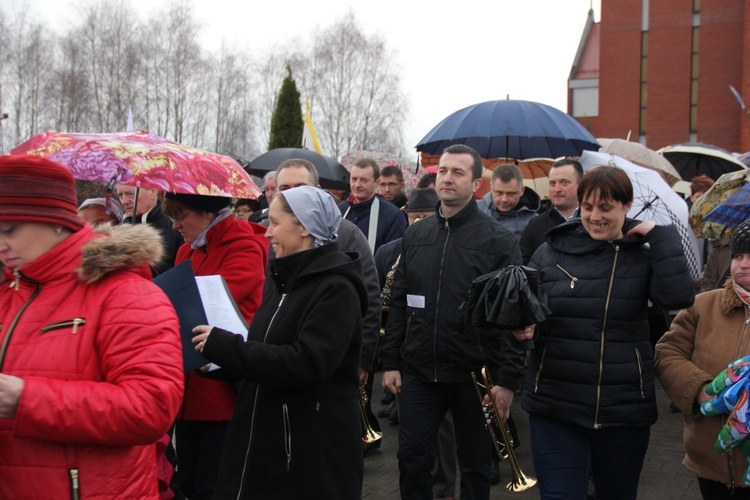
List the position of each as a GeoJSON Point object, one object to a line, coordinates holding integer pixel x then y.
{"type": "Point", "coordinates": [180, 218]}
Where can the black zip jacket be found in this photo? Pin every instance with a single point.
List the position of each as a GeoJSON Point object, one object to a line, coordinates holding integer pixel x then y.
{"type": "Point", "coordinates": [593, 363]}
{"type": "Point", "coordinates": [425, 333]}
{"type": "Point", "coordinates": [296, 430]}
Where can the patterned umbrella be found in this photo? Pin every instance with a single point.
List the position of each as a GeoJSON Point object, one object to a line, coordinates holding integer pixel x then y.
{"type": "Point", "coordinates": [654, 200]}
{"type": "Point", "coordinates": [641, 155]}
{"type": "Point", "coordinates": [143, 160]}
{"type": "Point", "coordinates": [722, 189]}
{"type": "Point", "coordinates": [734, 210]}
{"type": "Point", "coordinates": [412, 172]}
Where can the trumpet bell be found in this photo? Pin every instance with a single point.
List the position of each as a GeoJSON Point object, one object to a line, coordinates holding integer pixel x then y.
{"type": "Point", "coordinates": [369, 435]}
{"type": "Point", "coordinates": [504, 444]}
{"type": "Point", "coordinates": [521, 482]}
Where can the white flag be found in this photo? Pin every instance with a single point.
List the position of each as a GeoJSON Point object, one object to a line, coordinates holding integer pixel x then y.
{"type": "Point", "coordinates": [309, 137]}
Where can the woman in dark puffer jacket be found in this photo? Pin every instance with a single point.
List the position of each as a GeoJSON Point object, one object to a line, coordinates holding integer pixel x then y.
{"type": "Point", "coordinates": [590, 384]}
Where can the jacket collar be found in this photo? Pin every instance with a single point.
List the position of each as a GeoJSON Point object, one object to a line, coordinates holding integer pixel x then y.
{"type": "Point", "coordinates": [571, 237]}
{"type": "Point", "coordinates": [465, 214]}
{"type": "Point", "coordinates": [729, 298]}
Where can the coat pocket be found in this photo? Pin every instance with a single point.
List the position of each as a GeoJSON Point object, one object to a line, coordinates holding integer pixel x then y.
{"type": "Point", "coordinates": [73, 324]}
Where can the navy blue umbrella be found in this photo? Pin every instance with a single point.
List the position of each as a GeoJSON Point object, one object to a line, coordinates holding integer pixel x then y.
{"type": "Point", "coordinates": [511, 129]}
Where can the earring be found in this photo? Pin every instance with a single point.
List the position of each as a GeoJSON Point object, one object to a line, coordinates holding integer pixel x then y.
{"type": "Point", "coordinates": [58, 230]}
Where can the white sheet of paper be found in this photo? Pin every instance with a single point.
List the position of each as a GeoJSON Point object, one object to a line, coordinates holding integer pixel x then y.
{"type": "Point", "coordinates": [221, 311]}
{"type": "Point", "coordinates": [416, 301]}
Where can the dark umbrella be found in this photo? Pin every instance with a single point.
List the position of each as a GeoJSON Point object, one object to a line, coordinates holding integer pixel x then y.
{"type": "Point", "coordinates": [509, 298]}
{"type": "Point", "coordinates": [696, 158]}
{"type": "Point", "coordinates": [332, 174]}
{"type": "Point", "coordinates": [511, 129]}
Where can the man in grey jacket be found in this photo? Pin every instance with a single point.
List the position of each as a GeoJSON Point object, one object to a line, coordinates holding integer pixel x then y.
{"type": "Point", "coordinates": [509, 202]}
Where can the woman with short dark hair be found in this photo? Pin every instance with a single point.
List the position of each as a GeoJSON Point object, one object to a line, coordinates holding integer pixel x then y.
{"type": "Point", "coordinates": [215, 243]}
{"type": "Point", "coordinates": [590, 383]}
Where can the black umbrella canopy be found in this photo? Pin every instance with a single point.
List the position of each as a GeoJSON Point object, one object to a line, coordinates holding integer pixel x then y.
{"type": "Point", "coordinates": [509, 298]}
{"type": "Point", "coordinates": [511, 129]}
{"type": "Point", "coordinates": [332, 174]}
{"type": "Point", "coordinates": [695, 158]}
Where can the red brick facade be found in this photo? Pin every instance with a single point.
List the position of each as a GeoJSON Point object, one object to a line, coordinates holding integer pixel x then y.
{"type": "Point", "coordinates": [723, 60]}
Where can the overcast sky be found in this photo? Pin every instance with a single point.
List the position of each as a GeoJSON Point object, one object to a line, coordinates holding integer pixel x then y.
{"type": "Point", "coordinates": [452, 54]}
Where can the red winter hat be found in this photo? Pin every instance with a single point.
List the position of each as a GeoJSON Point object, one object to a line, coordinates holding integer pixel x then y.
{"type": "Point", "coordinates": [35, 189]}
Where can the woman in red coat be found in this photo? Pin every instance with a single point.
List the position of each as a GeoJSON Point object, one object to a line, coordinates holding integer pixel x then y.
{"type": "Point", "coordinates": [90, 356]}
{"type": "Point", "coordinates": [215, 243]}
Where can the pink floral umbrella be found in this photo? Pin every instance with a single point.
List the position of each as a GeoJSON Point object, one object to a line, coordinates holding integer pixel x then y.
{"type": "Point", "coordinates": [143, 160]}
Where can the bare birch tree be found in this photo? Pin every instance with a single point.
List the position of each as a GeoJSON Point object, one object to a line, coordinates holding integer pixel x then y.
{"type": "Point", "coordinates": [109, 36]}
{"type": "Point", "coordinates": [30, 62]}
{"type": "Point", "coordinates": [356, 89]}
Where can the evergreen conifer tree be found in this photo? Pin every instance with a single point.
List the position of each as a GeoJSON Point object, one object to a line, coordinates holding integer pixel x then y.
{"type": "Point", "coordinates": [287, 123]}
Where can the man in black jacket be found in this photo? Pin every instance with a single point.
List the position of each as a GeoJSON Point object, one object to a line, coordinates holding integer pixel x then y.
{"type": "Point", "coordinates": [564, 176]}
{"type": "Point", "coordinates": [428, 352]}
{"type": "Point", "coordinates": [149, 212]}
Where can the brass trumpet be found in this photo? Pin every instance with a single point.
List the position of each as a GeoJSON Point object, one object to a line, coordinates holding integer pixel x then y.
{"type": "Point", "coordinates": [369, 435]}
{"type": "Point", "coordinates": [504, 447]}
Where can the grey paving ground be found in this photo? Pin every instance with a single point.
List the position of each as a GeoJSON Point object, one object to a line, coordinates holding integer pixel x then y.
{"type": "Point", "coordinates": [663, 476]}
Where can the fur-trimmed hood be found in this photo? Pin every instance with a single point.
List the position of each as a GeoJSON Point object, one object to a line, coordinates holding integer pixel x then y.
{"type": "Point", "coordinates": [729, 298]}
{"type": "Point", "coordinates": [120, 247]}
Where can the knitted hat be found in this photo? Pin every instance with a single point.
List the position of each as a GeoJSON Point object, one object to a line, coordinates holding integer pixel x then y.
{"type": "Point", "coordinates": [422, 200]}
{"type": "Point", "coordinates": [740, 239]}
{"type": "Point", "coordinates": [212, 204]}
{"type": "Point", "coordinates": [35, 189]}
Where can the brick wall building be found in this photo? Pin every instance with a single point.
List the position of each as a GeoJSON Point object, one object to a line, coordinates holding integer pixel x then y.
{"type": "Point", "coordinates": [660, 71]}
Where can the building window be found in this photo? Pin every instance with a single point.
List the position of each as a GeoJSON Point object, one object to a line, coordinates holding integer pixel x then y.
{"type": "Point", "coordinates": [644, 82]}
{"type": "Point", "coordinates": [694, 78]}
{"type": "Point", "coordinates": [584, 97]}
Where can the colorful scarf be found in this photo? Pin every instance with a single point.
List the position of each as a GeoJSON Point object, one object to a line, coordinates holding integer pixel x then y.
{"type": "Point", "coordinates": [731, 389]}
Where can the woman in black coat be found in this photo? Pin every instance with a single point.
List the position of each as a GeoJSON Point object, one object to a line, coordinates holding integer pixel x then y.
{"type": "Point", "coordinates": [590, 381]}
{"type": "Point", "coordinates": [296, 430]}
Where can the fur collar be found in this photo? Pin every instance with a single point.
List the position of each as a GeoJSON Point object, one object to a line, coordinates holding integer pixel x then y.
{"type": "Point", "coordinates": [729, 298]}
{"type": "Point", "coordinates": [122, 247]}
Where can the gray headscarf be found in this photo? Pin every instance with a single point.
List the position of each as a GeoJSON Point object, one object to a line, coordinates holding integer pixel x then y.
{"type": "Point", "coordinates": [317, 212]}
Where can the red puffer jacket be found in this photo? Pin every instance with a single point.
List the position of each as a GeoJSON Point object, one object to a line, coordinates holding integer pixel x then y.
{"type": "Point", "coordinates": [98, 349]}
{"type": "Point", "coordinates": [238, 251]}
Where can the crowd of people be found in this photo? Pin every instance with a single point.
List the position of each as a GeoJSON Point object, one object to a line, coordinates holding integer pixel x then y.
{"type": "Point", "coordinates": [94, 401]}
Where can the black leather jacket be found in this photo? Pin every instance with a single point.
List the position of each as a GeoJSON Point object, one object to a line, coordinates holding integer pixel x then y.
{"type": "Point", "coordinates": [425, 333]}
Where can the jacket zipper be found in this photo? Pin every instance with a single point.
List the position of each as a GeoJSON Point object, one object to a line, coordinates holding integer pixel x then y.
{"type": "Point", "coordinates": [287, 436]}
{"type": "Point", "coordinates": [255, 406]}
{"type": "Point", "coordinates": [539, 371]}
{"type": "Point", "coordinates": [640, 371]}
{"type": "Point", "coordinates": [13, 323]}
{"type": "Point", "coordinates": [75, 323]}
{"type": "Point", "coordinates": [75, 491]}
{"type": "Point", "coordinates": [573, 279]}
{"type": "Point", "coordinates": [437, 303]}
{"type": "Point", "coordinates": [597, 425]}
{"type": "Point", "coordinates": [743, 336]}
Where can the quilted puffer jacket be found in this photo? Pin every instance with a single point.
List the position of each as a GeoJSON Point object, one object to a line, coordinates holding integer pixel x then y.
{"type": "Point", "coordinates": [97, 346]}
{"type": "Point", "coordinates": [593, 364]}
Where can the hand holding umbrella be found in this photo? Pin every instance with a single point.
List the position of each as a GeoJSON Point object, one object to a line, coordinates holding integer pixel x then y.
{"type": "Point", "coordinates": [511, 298]}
